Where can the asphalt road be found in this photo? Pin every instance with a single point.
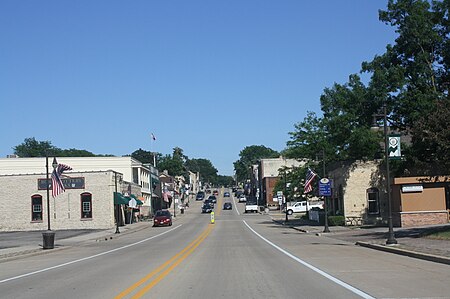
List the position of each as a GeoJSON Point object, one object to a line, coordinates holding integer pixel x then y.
{"type": "Point", "coordinates": [239, 256]}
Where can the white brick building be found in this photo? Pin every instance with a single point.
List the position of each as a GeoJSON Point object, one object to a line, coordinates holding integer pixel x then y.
{"type": "Point", "coordinates": [88, 205]}
{"type": "Point", "coordinates": [133, 170]}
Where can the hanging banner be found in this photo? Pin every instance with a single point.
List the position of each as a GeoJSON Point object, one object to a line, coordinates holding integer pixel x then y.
{"type": "Point", "coordinates": [394, 147]}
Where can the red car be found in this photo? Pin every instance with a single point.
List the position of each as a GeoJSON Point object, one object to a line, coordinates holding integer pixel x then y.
{"type": "Point", "coordinates": [162, 218]}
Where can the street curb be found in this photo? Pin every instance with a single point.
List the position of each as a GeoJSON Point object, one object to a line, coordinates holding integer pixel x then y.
{"type": "Point", "coordinates": [391, 249]}
{"type": "Point", "coordinates": [405, 252]}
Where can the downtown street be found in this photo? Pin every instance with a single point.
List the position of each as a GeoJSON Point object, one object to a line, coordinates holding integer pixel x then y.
{"type": "Point", "coordinates": [238, 256]}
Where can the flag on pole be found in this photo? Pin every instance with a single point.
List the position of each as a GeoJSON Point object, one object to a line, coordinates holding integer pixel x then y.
{"type": "Point", "coordinates": [310, 175]}
{"type": "Point", "coordinates": [153, 136]}
{"type": "Point", "coordinates": [57, 184]}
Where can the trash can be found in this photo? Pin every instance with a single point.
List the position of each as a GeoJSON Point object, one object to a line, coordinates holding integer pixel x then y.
{"type": "Point", "coordinates": [48, 240]}
{"type": "Point", "coordinates": [182, 210]}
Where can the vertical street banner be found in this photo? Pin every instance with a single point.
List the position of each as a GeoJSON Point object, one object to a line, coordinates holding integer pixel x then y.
{"type": "Point", "coordinates": [394, 151]}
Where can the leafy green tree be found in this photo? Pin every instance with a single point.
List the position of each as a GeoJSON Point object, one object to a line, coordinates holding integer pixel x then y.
{"type": "Point", "coordinates": [412, 77]}
{"type": "Point", "coordinates": [249, 156]}
{"type": "Point", "coordinates": [208, 172]}
{"type": "Point", "coordinates": [174, 163]}
{"type": "Point", "coordinates": [33, 148]}
{"type": "Point", "coordinates": [224, 180]}
{"type": "Point", "coordinates": [143, 156]}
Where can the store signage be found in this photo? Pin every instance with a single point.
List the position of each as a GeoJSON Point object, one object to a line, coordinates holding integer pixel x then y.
{"type": "Point", "coordinates": [69, 183]}
{"type": "Point", "coordinates": [412, 188]}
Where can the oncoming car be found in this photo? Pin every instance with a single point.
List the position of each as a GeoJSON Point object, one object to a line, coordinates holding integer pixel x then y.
{"type": "Point", "coordinates": [162, 218]}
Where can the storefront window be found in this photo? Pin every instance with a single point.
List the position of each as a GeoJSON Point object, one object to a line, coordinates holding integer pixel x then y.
{"type": "Point", "coordinates": [36, 208]}
{"type": "Point", "coordinates": [373, 201]}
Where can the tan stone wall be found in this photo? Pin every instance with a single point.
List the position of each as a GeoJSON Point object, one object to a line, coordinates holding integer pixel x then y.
{"type": "Point", "coordinates": [65, 210]}
{"type": "Point", "coordinates": [424, 218]}
{"type": "Point", "coordinates": [355, 180]}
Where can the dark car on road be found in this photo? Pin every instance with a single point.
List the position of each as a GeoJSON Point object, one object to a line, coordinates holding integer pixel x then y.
{"type": "Point", "coordinates": [209, 201]}
{"type": "Point", "coordinates": [200, 196]}
{"type": "Point", "coordinates": [227, 206]}
{"type": "Point", "coordinates": [212, 198]}
{"type": "Point", "coordinates": [162, 218]}
{"type": "Point", "coordinates": [226, 194]}
{"type": "Point", "coordinates": [207, 208]}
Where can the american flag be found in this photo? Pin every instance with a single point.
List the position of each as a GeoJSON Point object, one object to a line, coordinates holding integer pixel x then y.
{"type": "Point", "coordinates": [57, 184]}
{"type": "Point", "coordinates": [310, 175]}
{"type": "Point", "coordinates": [153, 136]}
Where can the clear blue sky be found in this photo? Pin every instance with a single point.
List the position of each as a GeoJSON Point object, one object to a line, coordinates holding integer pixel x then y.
{"type": "Point", "coordinates": [208, 76]}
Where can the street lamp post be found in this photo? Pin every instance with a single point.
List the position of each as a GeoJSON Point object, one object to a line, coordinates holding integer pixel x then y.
{"type": "Point", "coordinates": [325, 204]}
{"type": "Point", "coordinates": [285, 198]}
{"type": "Point", "coordinates": [117, 205]}
{"type": "Point", "coordinates": [391, 238]}
{"type": "Point", "coordinates": [48, 236]}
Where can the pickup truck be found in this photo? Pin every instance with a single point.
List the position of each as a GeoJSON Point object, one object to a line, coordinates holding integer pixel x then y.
{"type": "Point", "coordinates": [251, 206]}
{"type": "Point", "coordinates": [303, 206]}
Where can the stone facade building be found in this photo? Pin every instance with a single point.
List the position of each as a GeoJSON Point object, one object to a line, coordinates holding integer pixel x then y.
{"type": "Point", "coordinates": [87, 203]}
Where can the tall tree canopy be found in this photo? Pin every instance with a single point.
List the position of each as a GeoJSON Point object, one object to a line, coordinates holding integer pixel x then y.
{"type": "Point", "coordinates": [411, 78]}
{"type": "Point", "coordinates": [33, 148]}
{"type": "Point", "coordinates": [208, 172]}
{"type": "Point", "coordinates": [249, 156]}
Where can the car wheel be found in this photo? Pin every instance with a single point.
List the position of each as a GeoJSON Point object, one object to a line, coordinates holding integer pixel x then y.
{"type": "Point", "coordinates": [290, 212]}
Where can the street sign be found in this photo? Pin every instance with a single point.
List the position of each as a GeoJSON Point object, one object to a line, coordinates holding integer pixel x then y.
{"type": "Point", "coordinates": [325, 187]}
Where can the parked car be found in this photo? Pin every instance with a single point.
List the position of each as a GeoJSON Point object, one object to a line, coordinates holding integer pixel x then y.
{"type": "Point", "coordinates": [226, 194]}
{"type": "Point", "coordinates": [200, 195]}
{"type": "Point", "coordinates": [207, 208]}
{"type": "Point", "coordinates": [227, 206]}
{"type": "Point", "coordinates": [303, 206]}
{"type": "Point", "coordinates": [162, 218]}
{"type": "Point", "coordinates": [215, 192]}
{"type": "Point", "coordinates": [212, 198]}
{"type": "Point", "coordinates": [242, 198]}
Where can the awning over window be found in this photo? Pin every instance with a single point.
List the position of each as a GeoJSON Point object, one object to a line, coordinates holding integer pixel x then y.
{"type": "Point", "coordinates": [119, 199]}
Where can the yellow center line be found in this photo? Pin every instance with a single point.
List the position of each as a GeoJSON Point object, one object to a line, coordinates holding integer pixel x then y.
{"type": "Point", "coordinates": [168, 270]}
{"type": "Point", "coordinates": [195, 243]}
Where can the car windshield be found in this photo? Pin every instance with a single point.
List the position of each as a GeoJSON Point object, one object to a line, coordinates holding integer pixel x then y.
{"type": "Point", "coordinates": [162, 213]}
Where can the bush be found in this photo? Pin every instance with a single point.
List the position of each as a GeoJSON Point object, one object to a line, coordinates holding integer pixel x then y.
{"type": "Point", "coordinates": [336, 220]}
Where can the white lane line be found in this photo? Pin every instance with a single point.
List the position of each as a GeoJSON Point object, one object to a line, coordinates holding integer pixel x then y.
{"type": "Point", "coordinates": [86, 258]}
{"type": "Point", "coordinates": [236, 206]}
{"type": "Point", "coordinates": [317, 270]}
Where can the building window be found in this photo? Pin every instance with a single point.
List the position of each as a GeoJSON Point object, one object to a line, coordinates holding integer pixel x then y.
{"type": "Point", "coordinates": [373, 201]}
{"type": "Point", "coordinates": [86, 205]}
{"type": "Point", "coordinates": [36, 208]}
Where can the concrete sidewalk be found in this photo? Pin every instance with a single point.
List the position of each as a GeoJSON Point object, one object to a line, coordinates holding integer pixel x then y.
{"type": "Point", "coordinates": [411, 241]}
{"type": "Point", "coordinates": [14, 245]}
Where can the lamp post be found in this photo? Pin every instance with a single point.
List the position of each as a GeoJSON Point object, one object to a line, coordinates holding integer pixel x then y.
{"type": "Point", "coordinates": [173, 199]}
{"type": "Point", "coordinates": [117, 205]}
{"type": "Point", "coordinates": [325, 205]}
{"type": "Point", "coordinates": [48, 236]}
{"type": "Point", "coordinates": [391, 238]}
{"type": "Point", "coordinates": [285, 198]}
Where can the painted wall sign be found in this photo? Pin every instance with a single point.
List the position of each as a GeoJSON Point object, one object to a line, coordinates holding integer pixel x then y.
{"type": "Point", "coordinates": [69, 183]}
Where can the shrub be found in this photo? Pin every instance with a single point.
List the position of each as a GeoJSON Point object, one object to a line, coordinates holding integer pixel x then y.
{"type": "Point", "coordinates": [336, 220]}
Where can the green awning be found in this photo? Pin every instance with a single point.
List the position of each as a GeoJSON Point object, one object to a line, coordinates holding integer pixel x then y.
{"type": "Point", "coordinates": [139, 203]}
{"type": "Point", "coordinates": [119, 199]}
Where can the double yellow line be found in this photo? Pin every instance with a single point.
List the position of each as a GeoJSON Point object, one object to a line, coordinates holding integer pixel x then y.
{"type": "Point", "coordinates": [163, 270]}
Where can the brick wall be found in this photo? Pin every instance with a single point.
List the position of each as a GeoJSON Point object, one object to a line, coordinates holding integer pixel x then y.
{"type": "Point", "coordinates": [423, 218]}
